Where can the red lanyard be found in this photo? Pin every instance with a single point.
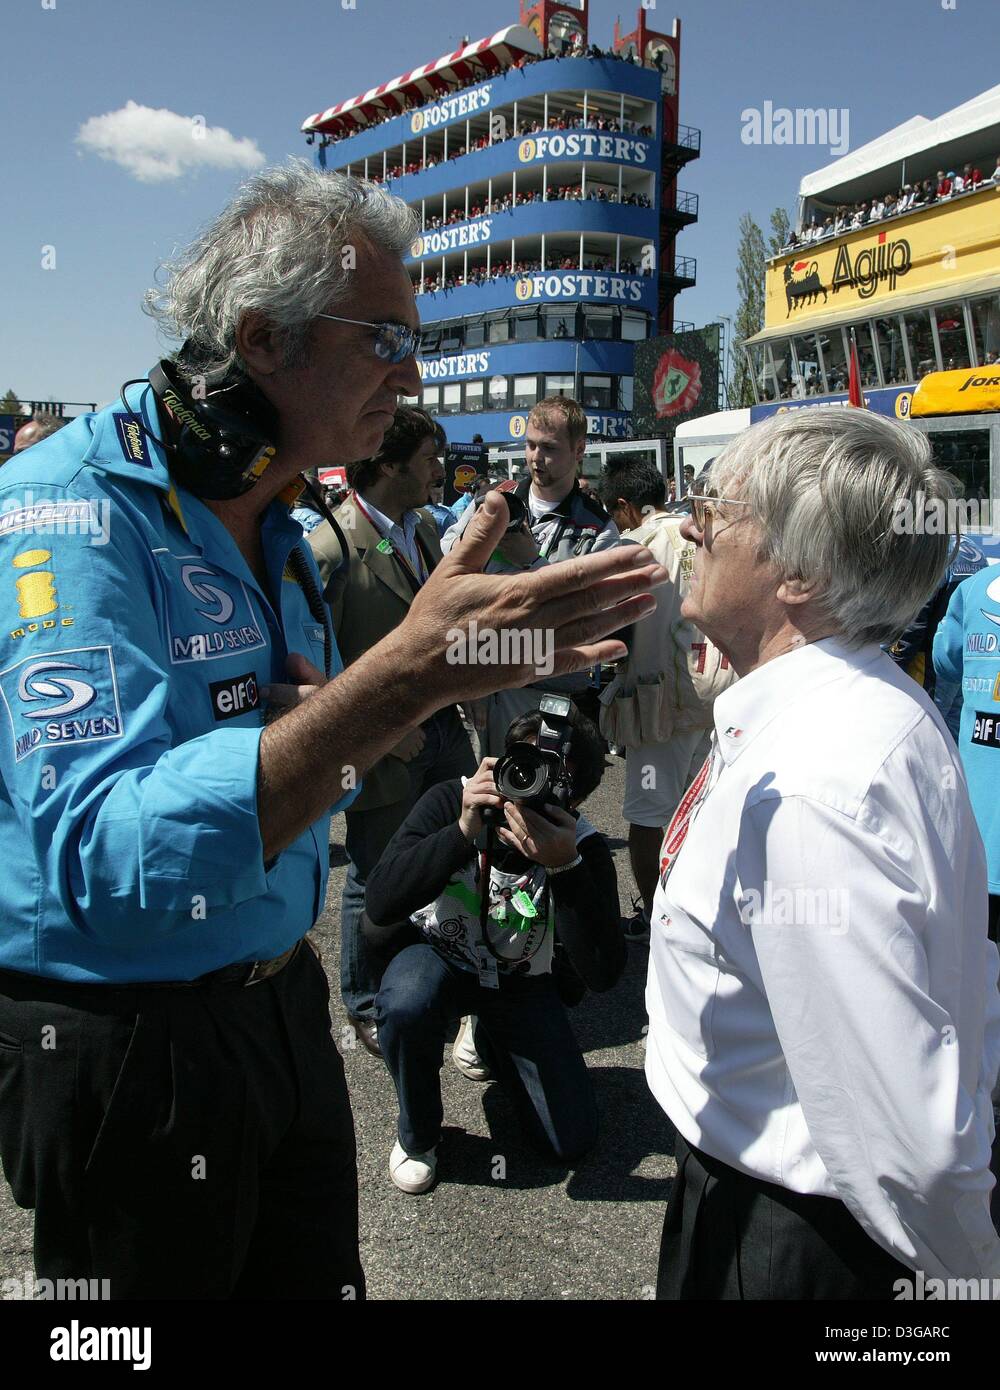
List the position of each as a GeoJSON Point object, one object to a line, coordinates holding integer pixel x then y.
{"type": "Point", "coordinates": [404, 559]}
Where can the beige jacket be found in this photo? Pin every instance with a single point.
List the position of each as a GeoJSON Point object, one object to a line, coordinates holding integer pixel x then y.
{"type": "Point", "coordinates": [366, 605]}
{"type": "Point", "coordinates": [673, 673]}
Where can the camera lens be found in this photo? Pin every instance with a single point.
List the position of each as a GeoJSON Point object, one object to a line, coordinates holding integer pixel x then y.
{"type": "Point", "coordinates": [522, 774]}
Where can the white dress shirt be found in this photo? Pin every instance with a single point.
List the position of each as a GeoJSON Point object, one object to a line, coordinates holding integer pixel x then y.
{"type": "Point", "coordinates": [822, 993]}
{"type": "Point", "coordinates": [404, 536]}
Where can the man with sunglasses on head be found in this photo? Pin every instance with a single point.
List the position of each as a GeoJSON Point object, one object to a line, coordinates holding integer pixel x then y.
{"type": "Point", "coordinates": [172, 1104]}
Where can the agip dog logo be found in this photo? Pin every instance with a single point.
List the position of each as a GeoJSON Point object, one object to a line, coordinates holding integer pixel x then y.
{"type": "Point", "coordinates": [802, 285]}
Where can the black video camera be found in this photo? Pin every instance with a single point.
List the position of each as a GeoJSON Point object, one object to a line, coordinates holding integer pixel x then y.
{"type": "Point", "coordinates": [517, 510]}
{"type": "Point", "coordinates": [535, 773]}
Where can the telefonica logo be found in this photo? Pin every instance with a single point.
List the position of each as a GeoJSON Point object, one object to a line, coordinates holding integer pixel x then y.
{"type": "Point", "coordinates": [462, 105]}
{"type": "Point", "coordinates": [186, 416]}
{"type": "Point", "coordinates": [588, 144]}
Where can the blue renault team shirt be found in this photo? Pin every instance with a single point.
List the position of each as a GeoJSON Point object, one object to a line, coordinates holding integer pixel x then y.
{"type": "Point", "coordinates": [134, 644]}
{"type": "Point", "coordinates": [967, 649]}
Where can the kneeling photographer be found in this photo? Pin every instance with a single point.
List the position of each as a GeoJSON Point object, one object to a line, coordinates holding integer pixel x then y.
{"type": "Point", "coordinates": [548, 921]}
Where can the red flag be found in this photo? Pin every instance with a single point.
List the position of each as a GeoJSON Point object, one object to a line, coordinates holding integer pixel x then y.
{"type": "Point", "coordinates": [854, 396]}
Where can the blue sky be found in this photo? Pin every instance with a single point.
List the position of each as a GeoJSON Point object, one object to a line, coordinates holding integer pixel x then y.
{"type": "Point", "coordinates": [75, 331]}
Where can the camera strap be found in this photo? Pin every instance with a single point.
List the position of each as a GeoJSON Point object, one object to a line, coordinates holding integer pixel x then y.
{"type": "Point", "coordinates": [414, 577]}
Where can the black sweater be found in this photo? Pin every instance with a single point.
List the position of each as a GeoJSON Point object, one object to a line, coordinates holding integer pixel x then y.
{"type": "Point", "coordinates": [429, 848]}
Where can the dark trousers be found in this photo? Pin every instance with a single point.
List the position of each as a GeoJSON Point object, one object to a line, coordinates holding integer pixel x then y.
{"type": "Point", "coordinates": [446, 754]}
{"type": "Point", "coordinates": [523, 1034]}
{"type": "Point", "coordinates": [182, 1143]}
{"type": "Point", "coordinates": [730, 1236]}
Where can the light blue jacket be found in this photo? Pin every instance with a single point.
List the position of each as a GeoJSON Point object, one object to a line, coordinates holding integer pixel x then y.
{"type": "Point", "coordinates": [967, 650]}
{"type": "Point", "coordinates": [134, 645]}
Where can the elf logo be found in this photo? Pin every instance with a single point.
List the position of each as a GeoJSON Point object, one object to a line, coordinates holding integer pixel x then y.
{"type": "Point", "coordinates": [231, 698]}
{"type": "Point", "coordinates": [234, 697]}
{"type": "Point", "coordinates": [986, 730]}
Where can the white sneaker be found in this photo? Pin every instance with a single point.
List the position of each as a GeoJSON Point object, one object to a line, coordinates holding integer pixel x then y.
{"type": "Point", "coordinates": [464, 1053]}
{"type": "Point", "coordinates": [412, 1173]}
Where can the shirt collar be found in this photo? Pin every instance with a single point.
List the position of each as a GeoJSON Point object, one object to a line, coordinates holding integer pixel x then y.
{"type": "Point", "coordinates": [758, 698]}
{"type": "Point", "coordinates": [385, 524]}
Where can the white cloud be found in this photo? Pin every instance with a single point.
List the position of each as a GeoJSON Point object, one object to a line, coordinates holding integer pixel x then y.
{"type": "Point", "coordinates": [156, 145]}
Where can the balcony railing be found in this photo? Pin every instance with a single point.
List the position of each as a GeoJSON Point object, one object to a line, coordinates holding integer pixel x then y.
{"type": "Point", "coordinates": [685, 268]}
{"type": "Point", "coordinates": [686, 137]}
{"type": "Point", "coordinates": [686, 203]}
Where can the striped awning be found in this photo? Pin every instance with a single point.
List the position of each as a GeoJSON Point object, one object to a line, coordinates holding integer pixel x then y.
{"type": "Point", "coordinates": [481, 58]}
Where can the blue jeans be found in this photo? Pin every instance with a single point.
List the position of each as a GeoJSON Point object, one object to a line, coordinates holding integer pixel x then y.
{"type": "Point", "coordinates": [523, 1035]}
{"type": "Point", "coordinates": [446, 754]}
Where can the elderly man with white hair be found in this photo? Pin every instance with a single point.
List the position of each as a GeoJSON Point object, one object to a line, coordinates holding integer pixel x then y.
{"type": "Point", "coordinates": [822, 993]}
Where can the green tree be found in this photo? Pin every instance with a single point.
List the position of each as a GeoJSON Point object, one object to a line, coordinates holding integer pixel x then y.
{"type": "Point", "coordinates": [750, 267]}
{"type": "Point", "coordinates": [780, 227]}
{"type": "Point", "coordinates": [11, 404]}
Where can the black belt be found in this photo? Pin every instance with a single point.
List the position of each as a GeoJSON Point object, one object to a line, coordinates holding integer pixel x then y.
{"type": "Point", "coordinates": [245, 973]}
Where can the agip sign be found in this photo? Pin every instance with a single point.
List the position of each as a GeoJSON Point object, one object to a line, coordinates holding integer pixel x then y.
{"type": "Point", "coordinates": [937, 248]}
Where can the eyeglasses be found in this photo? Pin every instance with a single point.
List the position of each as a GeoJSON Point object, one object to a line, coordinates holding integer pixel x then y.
{"type": "Point", "coordinates": [394, 342]}
{"type": "Point", "coordinates": [702, 505]}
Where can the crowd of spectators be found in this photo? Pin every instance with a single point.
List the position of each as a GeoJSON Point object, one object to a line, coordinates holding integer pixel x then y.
{"type": "Point", "coordinates": [479, 275]}
{"type": "Point", "coordinates": [910, 197]}
{"type": "Point", "coordinates": [507, 201]}
{"type": "Point", "coordinates": [811, 383]}
{"type": "Point", "coordinates": [564, 121]}
{"type": "Point", "coordinates": [412, 102]}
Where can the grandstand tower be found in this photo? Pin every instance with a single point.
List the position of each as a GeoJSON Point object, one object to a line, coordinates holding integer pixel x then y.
{"type": "Point", "coordinates": [544, 171]}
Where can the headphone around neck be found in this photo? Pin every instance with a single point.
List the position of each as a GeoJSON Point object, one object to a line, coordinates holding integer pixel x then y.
{"type": "Point", "coordinates": [227, 429]}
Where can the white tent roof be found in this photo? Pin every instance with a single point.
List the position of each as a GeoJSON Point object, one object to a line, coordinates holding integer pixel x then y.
{"type": "Point", "coordinates": [719, 424]}
{"type": "Point", "coordinates": [914, 137]}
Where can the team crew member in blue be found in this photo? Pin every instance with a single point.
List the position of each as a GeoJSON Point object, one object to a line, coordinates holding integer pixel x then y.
{"type": "Point", "coordinates": [967, 653]}
{"type": "Point", "coordinates": [172, 1105]}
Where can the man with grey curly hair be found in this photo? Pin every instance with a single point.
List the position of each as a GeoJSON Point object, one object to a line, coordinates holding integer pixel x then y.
{"type": "Point", "coordinates": [167, 850]}
{"type": "Point", "coordinates": [824, 1016]}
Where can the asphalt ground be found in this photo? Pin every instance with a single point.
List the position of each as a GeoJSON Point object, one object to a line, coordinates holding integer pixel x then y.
{"type": "Point", "coordinates": [502, 1223]}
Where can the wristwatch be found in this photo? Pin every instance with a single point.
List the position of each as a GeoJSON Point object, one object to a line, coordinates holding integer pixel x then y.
{"type": "Point", "coordinates": [561, 868]}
